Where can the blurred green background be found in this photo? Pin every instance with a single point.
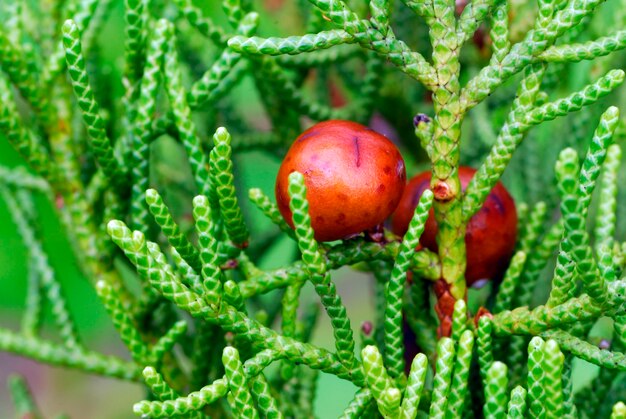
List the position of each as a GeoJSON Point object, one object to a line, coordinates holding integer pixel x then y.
{"type": "Point", "coordinates": [83, 396]}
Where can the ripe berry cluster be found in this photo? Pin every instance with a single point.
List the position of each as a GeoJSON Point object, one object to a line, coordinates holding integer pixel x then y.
{"type": "Point", "coordinates": [356, 179]}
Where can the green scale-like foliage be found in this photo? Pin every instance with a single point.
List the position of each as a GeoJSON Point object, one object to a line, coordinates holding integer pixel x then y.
{"type": "Point", "coordinates": [146, 149]}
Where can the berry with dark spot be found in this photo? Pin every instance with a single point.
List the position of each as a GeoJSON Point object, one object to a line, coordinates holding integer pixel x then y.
{"type": "Point", "coordinates": [354, 178]}
{"type": "Point", "coordinates": [491, 232]}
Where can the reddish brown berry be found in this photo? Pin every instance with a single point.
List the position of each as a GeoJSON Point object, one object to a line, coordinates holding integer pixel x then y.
{"type": "Point", "coordinates": [491, 232]}
{"type": "Point", "coordinates": [354, 178]}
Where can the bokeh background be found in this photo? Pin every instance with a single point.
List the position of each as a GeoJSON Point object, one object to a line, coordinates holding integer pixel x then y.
{"type": "Point", "coordinates": [84, 396]}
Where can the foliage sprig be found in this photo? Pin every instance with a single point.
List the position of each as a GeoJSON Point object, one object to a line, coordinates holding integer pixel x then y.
{"type": "Point", "coordinates": [202, 324]}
